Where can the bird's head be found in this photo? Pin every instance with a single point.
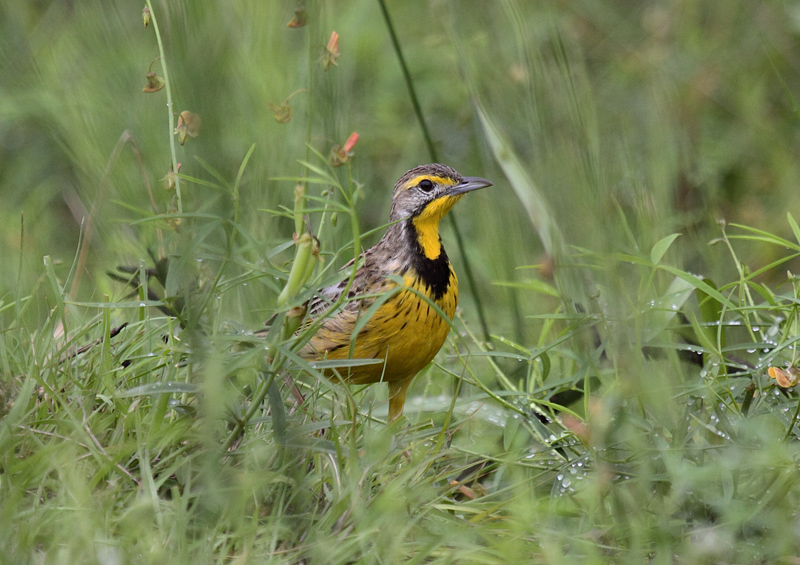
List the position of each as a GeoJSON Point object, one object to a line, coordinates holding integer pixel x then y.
{"type": "Point", "coordinates": [426, 193]}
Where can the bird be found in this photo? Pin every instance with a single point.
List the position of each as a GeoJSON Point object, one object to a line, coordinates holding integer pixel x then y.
{"type": "Point", "coordinates": [404, 333]}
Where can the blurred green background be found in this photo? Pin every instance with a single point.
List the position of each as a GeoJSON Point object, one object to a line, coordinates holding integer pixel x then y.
{"type": "Point", "coordinates": [677, 114]}
{"type": "Point", "coordinates": [631, 121]}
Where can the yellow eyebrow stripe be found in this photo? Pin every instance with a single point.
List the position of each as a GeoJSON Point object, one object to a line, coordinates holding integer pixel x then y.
{"type": "Point", "coordinates": [433, 178]}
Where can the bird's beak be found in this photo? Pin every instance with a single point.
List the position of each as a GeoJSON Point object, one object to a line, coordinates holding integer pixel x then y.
{"type": "Point", "coordinates": [468, 184]}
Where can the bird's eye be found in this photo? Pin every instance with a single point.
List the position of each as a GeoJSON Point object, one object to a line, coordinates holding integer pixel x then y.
{"type": "Point", "coordinates": [425, 185]}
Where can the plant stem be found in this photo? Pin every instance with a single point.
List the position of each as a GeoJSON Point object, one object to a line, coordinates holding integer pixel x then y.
{"type": "Point", "coordinates": [170, 111]}
{"type": "Point", "coordinates": [434, 157]}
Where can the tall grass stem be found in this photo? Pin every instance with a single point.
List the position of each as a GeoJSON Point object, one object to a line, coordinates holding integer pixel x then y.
{"type": "Point", "coordinates": [435, 158]}
{"type": "Point", "coordinates": [170, 109]}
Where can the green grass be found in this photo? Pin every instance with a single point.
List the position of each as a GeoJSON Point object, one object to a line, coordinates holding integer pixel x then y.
{"type": "Point", "coordinates": [633, 266]}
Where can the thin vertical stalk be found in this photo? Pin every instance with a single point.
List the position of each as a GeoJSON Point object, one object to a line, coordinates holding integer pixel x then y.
{"type": "Point", "coordinates": [434, 157]}
{"type": "Point", "coordinates": [170, 111]}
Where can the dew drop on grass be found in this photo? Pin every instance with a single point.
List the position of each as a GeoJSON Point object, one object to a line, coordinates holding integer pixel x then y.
{"type": "Point", "coordinates": [142, 304]}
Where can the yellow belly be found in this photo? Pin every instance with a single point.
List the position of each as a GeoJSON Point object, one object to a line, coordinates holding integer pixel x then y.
{"type": "Point", "coordinates": [406, 332]}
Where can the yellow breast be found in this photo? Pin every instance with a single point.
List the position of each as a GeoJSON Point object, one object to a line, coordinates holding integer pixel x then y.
{"type": "Point", "coordinates": [406, 332]}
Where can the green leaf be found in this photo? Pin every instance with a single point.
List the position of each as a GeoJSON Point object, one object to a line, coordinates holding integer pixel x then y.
{"type": "Point", "coordinates": [277, 412]}
{"type": "Point", "coordinates": [545, 359]}
{"type": "Point", "coordinates": [661, 247]}
{"type": "Point", "coordinates": [339, 363]}
{"type": "Point", "coordinates": [699, 283]}
{"type": "Point", "coordinates": [702, 336]}
{"type": "Point", "coordinates": [534, 285]}
{"type": "Point", "coordinates": [159, 388]}
{"type": "Point", "coordinates": [710, 313]}
{"type": "Point", "coordinates": [764, 236]}
{"type": "Point", "coordinates": [666, 307]}
{"type": "Point", "coordinates": [510, 430]}
{"type": "Point", "coordinates": [794, 226]}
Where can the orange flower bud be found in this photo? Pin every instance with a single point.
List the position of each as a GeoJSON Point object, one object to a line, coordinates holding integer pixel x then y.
{"type": "Point", "coordinates": [341, 155]}
{"type": "Point", "coordinates": [350, 143]}
{"type": "Point", "coordinates": [331, 52]}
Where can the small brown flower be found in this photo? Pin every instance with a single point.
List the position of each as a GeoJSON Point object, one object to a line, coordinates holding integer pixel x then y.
{"type": "Point", "coordinates": [300, 17]}
{"type": "Point", "coordinates": [188, 126]}
{"type": "Point", "coordinates": [785, 378]}
{"type": "Point", "coordinates": [169, 179]}
{"type": "Point", "coordinates": [154, 82]}
{"type": "Point", "coordinates": [282, 111]}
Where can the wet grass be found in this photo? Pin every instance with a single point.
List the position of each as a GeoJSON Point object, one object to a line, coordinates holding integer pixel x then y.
{"type": "Point", "coordinates": [628, 296]}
